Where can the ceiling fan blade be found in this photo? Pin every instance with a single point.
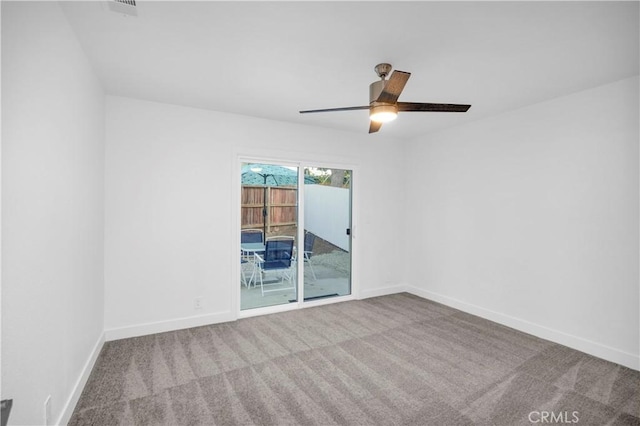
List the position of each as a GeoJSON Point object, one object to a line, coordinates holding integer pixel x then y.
{"type": "Point", "coordinates": [416, 106]}
{"type": "Point", "coordinates": [374, 126]}
{"type": "Point", "coordinates": [393, 87]}
{"type": "Point", "coordinates": [353, 108]}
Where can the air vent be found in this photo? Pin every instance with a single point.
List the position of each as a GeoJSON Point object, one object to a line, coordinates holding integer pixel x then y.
{"type": "Point", "coordinates": [126, 7]}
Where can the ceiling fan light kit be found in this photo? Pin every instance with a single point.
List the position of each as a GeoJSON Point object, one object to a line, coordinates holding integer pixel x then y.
{"type": "Point", "coordinates": [383, 99]}
{"type": "Point", "coordinates": [383, 113]}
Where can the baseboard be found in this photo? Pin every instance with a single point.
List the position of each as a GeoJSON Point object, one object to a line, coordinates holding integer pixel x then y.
{"type": "Point", "coordinates": [398, 288]}
{"type": "Point", "coordinates": [169, 325]}
{"type": "Point", "coordinates": [70, 405]}
{"type": "Point", "coordinates": [197, 321]}
{"type": "Point", "coordinates": [592, 348]}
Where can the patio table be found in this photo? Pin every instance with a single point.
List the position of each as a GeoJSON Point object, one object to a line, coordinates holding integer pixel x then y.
{"type": "Point", "coordinates": [250, 248]}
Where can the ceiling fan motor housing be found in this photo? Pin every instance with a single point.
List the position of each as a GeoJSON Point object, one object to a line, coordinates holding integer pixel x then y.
{"type": "Point", "coordinates": [375, 89]}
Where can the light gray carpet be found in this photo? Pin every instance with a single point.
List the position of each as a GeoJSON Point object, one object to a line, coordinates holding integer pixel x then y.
{"type": "Point", "coordinates": [388, 360]}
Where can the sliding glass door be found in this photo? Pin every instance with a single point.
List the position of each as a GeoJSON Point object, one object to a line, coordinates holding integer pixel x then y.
{"type": "Point", "coordinates": [285, 258]}
{"type": "Point", "coordinates": [327, 233]}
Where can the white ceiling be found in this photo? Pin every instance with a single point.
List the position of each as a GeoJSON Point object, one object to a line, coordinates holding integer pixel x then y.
{"type": "Point", "coordinates": [272, 59]}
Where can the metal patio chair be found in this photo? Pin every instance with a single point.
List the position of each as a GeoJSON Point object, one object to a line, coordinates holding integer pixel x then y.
{"type": "Point", "coordinates": [277, 257]}
{"type": "Point", "coordinates": [309, 240]}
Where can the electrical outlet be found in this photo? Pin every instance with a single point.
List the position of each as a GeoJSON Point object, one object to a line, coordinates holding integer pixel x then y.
{"type": "Point", "coordinates": [47, 411]}
{"type": "Point", "coordinates": [197, 303]}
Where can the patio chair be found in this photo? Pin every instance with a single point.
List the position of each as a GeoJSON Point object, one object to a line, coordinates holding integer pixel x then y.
{"type": "Point", "coordinates": [309, 240]}
{"type": "Point", "coordinates": [277, 257]}
{"type": "Point", "coordinates": [281, 237]}
{"type": "Point", "coordinates": [251, 236]}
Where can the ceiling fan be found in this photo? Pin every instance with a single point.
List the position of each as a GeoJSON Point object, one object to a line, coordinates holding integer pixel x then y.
{"type": "Point", "coordinates": [383, 99]}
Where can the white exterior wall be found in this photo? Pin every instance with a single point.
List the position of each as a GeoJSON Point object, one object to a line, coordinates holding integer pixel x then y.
{"type": "Point", "coordinates": [326, 213]}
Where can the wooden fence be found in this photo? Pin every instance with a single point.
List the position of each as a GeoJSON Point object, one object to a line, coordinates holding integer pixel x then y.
{"type": "Point", "coordinates": [281, 204]}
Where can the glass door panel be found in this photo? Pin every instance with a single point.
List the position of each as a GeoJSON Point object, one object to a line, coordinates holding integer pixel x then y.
{"type": "Point", "coordinates": [327, 233]}
{"type": "Point", "coordinates": [269, 227]}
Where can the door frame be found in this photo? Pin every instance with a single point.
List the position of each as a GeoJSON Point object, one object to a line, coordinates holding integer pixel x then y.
{"type": "Point", "coordinates": [237, 191]}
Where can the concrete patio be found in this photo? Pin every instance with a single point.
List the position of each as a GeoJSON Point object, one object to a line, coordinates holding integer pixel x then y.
{"type": "Point", "coordinates": [332, 278]}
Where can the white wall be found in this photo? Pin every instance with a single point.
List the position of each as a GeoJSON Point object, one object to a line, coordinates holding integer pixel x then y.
{"type": "Point", "coordinates": [52, 222]}
{"type": "Point", "coordinates": [326, 213]}
{"type": "Point", "coordinates": [171, 216]}
{"type": "Point", "coordinates": [530, 218]}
